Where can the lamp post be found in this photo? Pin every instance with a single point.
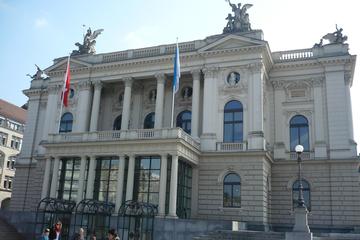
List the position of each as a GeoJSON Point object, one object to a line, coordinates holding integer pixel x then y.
{"type": "Point", "coordinates": [299, 149]}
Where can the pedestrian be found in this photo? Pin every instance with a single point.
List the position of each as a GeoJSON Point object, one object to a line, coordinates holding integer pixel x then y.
{"type": "Point", "coordinates": [79, 235]}
{"type": "Point", "coordinates": [93, 236]}
{"type": "Point", "coordinates": [55, 232]}
{"type": "Point", "coordinates": [45, 235]}
{"type": "Point", "coordinates": [112, 235]}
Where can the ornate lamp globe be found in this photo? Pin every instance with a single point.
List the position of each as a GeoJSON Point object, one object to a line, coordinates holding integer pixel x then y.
{"type": "Point", "coordinates": [299, 149]}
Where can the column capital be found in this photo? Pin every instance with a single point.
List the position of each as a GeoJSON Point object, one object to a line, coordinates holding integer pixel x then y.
{"type": "Point", "coordinates": [84, 85]}
{"type": "Point", "coordinates": [97, 85]}
{"type": "Point", "coordinates": [255, 67]}
{"type": "Point", "coordinates": [127, 81]}
{"type": "Point", "coordinates": [210, 71]}
{"type": "Point", "coordinates": [54, 88]}
{"type": "Point", "coordinates": [195, 74]}
{"type": "Point", "coordinates": [160, 76]}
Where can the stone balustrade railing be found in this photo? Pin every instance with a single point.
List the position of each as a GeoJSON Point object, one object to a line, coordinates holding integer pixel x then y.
{"type": "Point", "coordinates": [304, 155]}
{"type": "Point", "coordinates": [147, 52]}
{"type": "Point", "coordinates": [231, 147]}
{"type": "Point", "coordinates": [132, 134]}
{"type": "Point", "coordinates": [293, 55]}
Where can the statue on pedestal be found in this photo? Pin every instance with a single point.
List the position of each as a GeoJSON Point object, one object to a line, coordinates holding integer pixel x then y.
{"type": "Point", "coordinates": [88, 46]}
{"type": "Point", "coordinates": [336, 37]}
{"type": "Point", "coordinates": [37, 75]}
{"type": "Point", "coordinates": [240, 21]}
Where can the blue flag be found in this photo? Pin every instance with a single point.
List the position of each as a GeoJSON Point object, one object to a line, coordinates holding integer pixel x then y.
{"type": "Point", "coordinates": [176, 70]}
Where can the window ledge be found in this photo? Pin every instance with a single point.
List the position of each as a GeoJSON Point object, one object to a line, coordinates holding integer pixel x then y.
{"type": "Point", "coordinates": [226, 209]}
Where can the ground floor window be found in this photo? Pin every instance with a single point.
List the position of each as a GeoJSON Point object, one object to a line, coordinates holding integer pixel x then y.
{"type": "Point", "coordinates": [106, 179]}
{"type": "Point", "coordinates": [147, 179]}
{"type": "Point", "coordinates": [184, 190]}
{"type": "Point", "coordinates": [69, 179]}
{"type": "Point", "coordinates": [232, 197]}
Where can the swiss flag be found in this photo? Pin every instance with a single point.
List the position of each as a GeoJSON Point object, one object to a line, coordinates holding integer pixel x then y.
{"type": "Point", "coordinates": [66, 84]}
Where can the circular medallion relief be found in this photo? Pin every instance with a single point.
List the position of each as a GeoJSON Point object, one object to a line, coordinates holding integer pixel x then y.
{"type": "Point", "coordinates": [233, 78]}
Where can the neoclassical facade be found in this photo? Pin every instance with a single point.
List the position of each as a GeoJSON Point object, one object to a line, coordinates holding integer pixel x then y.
{"type": "Point", "coordinates": [12, 122]}
{"type": "Point", "coordinates": [239, 112]}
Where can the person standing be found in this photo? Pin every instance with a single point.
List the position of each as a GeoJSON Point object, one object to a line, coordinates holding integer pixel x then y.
{"type": "Point", "coordinates": [45, 235]}
{"type": "Point", "coordinates": [55, 232]}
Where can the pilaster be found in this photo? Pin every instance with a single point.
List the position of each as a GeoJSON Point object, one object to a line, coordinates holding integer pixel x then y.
{"type": "Point", "coordinates": [195, 109]}
{"type": "Point", "coordinates": [126, 104]}
{"type": "Point", "coordinates": [95, 106]}
{"type": "Point", "coordinates": [159, 107]}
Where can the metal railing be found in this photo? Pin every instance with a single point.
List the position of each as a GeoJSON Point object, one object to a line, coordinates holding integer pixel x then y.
{"type": "Point", "coordinates": [304, 155]}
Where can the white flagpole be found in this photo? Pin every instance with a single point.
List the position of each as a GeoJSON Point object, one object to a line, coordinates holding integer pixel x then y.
{"type": "Point", "coordinates": [173, 95]}
{"type": "Point", "coordinates": [63, 91]}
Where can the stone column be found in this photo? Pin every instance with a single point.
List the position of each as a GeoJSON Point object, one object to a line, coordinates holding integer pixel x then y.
{"type": "Point", "coordinates": [320, 144]}
{"type": "Point", "coordinates": [159, 107]}
{"type": "Point", "coordinates": [80, 193]}
{"type": "Point", "coordinates": [130, 178]}
{"type": "Point", "coordinates": [162, 193]}
{"type": "Point", "coordinates": [279, 98]}
{"type": "Point", "coordinates": [91, 178]}
{"type": "Point", "coordinates": [256, 140]}
{"type": "Point", "coordinates": [95, 106]}
{"type": "Point", "coordinates": [195, 108]}
{"type": "Point", "coordinates": [173, 186]}
{"type": "Point", "coordinates": [208, 137]}
{"type": "Point", "coordinates": [83, 108]}
{"type": "Point", "coordinates": [45, 186]}
{"type": "Point", "coordinates": [55, 177]}
{"type": "Point", "coordinates": [126, 104]}
{"type": "Point", "coordinates": [120, 182]}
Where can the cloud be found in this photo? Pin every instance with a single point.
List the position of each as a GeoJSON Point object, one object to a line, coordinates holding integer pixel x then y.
{"type": "Point", "coordinates": [41, 23]}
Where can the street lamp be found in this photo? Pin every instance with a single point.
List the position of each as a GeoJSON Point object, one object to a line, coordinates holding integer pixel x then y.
{"type": "Point", "coordinates": [299, 149]}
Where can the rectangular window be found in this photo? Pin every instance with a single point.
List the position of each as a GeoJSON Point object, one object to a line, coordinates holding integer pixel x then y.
{"type": "Point", "coordinates": [69, 179]}
{"type": "Point", "coordinates": [147, 179]}
{"type": "Point", "coordinates": [184, 190]}
{"type": "Point", "coordinates": [15, 143]}
{"type": "Point", "coordinates": [3, 138]}
{"type": "Point", "coordinates": [106, 179]}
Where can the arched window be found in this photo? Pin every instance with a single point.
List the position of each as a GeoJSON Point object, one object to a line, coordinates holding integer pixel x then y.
{"type": "Point", "coordinates": [117, 123]}
{"type": "Point", "coordinates": [233, 122]}
{"type": "Point", "coordinates": [149, 121]}
{"type": "Point", "coordinates": [299, 132]}
{"type": "Point", "coordinates": [183, 120]}
{"type": "Point", "coordinates": [306, 193]}
{"type": "Point", "coordinates": [231, 196]}
{"type": "Point", "coordinates": [66, 122]}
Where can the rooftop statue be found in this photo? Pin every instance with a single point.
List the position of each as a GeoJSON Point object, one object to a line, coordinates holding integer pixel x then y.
{"type": "Point", "coordinates": [37, 75]}
{"type": "Point", "coordinates": [336, 37]}
{"type": "Point", "coordinates": [88, 45]}
{"type": "Point", "coordinates": [240, 21]}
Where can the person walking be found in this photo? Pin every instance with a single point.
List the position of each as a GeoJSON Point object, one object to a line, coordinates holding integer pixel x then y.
{"type": "Point", "coordinates": [55, 232]}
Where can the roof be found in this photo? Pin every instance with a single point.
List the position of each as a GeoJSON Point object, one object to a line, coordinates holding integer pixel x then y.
{"type": "Point", "coordinates": [12, 111]}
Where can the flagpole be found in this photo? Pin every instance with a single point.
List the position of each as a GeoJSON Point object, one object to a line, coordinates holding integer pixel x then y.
{"type": "Point", "coordinates": [174, 86]}
{"type": "Point", "coordinates": [63, 91]}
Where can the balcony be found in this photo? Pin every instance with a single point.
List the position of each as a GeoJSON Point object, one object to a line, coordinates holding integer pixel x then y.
{"type": "Point", "coordinates": [231, 147]}
{"type": "Point", "coordinates": [124, 135]}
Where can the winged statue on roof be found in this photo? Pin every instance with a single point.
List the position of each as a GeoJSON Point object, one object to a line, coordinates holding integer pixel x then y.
{"type": "Point", "coordinates": [88, 46]}
{"type": "Point", "coordinates": [240, 21]}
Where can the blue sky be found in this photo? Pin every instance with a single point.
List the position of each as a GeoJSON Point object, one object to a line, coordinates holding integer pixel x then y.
{"type": "Point", "coordinates": [38, 31]}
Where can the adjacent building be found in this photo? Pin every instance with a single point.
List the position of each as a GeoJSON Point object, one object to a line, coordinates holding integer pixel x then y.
{"type": "Point", "coordinates": [239, 112]}
{"type": "Point", "coordinates": [12, 122]}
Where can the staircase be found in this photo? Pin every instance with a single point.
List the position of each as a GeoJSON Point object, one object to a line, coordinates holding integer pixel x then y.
{"type": "Point", "coordinates": [241, 235]}
{"type": "Point", "coordinates": [8, 232]}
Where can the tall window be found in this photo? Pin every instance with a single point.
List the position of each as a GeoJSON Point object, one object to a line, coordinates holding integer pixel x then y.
{"type": "Point", "coordinates": [15, 143]}
{"type": "Point", "coordinates": [149, 121]}
{"type": "Point", "coordinates": [233, 122]}
{"type": "Point", "coordinates": [299, 132]}
{"type": "Point", "coordinates": [3, 138]}
{"type": "Point", "coordinates": [117, 123]}
{"type": "Point", "coordinates": [105, 179]}
{"type": "Point", "coordinates": [184, 190]}
{"type": "Point", "coordinates": [69, 179]}
{"type": "Point", "coordinates": [231, 196]}
{"type": "Point", "coordinates": [66, 122]}
{"type": "Point", "coordinates": [10, 164]}
{"type": "Point", "coordinates": [147, 179]}
{"type": "Point", "coordinates": [183, 120]}
{"type": "Point", "coordinates": [306, 193]}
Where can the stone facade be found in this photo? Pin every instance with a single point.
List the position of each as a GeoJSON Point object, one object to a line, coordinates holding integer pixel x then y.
{"type": "Point", "coordinates": [272, 88]}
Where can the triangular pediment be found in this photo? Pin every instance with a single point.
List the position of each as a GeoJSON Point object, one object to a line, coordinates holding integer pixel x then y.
{"type": "Point", "coordinates": [231, 41]}
{"type": "Point", "coordinates": [61, 65]}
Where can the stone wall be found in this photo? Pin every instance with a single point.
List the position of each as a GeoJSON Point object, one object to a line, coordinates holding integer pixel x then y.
{"type": "Point", "coordinates": [334, 186]}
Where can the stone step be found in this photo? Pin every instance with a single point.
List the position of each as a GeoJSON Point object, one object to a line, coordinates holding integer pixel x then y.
{"type": "Point", "coordinates": [241, 235]}
{"type": "Point", "coordinates": [8, 232]}
{"type": "Point", "coordinates": [337, 236]}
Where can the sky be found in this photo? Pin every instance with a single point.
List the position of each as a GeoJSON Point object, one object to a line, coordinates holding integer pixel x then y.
{"type": "Point", "coordinates": [38, 31]}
